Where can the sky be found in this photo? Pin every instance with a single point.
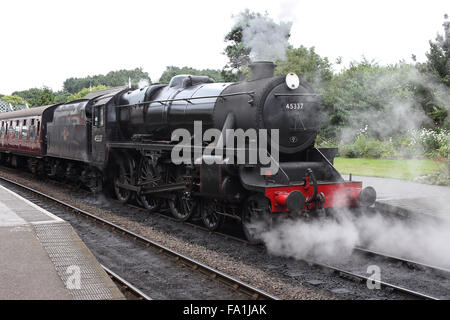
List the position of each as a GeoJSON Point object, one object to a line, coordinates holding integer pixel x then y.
{"type": "Point", "coordinates": [44, 42]}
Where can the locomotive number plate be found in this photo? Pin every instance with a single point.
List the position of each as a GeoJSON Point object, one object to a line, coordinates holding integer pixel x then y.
{"type": "Point", "coordinates": [98, 138]}
{"type": "Point", "coordinates": [294, 106]}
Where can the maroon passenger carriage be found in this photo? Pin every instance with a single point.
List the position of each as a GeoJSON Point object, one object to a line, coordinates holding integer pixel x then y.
{"type": "Point", "coordinates": [22, 135]}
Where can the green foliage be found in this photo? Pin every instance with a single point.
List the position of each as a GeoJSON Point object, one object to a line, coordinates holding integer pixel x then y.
{"type": "Point", "coordinates": [390, 99]}
{"type": "Point", "coordinates": [111, 79]}
{"type": "Point", "coordinates": [172, 71]}
{"type": "Point", "coordinates": [423, 143]}
{"type": "Point", "coordinates": [438, 177]}
{"type": "Point", "coordinates": [238, 55]}
{"type": "Point", "coordinates": [438, 58]}
{"type": "Point", "coordinates": [37, 97]}
{"type": "Point", "coordinates": [307, 64]}
{"type": "Point", "coordinates": [14, 100]}
{"type": "Point", "coordinates": [61, 97]}
{"type": "Point", "coordinates": [400, 169]}
{"type": "Point", "coordinates": [366, 147]}
{"type": "Point", "coordinates": [85, 91]}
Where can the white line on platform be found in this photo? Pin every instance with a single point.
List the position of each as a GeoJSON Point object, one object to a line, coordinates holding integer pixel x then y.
{"type": "Point", "coordinates": [55, 218]}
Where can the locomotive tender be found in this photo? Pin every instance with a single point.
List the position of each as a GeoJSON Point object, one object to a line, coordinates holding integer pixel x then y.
{"type": "Point", "coordinates": [122, 139]}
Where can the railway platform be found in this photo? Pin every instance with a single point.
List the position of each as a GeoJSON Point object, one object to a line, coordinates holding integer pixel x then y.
{"type": "Point", "coordinates": [42, 257]}
{"type": "Point", "coordinates": [410, 196]}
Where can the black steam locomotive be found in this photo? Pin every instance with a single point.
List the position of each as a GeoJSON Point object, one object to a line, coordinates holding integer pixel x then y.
{"type": "Point", "coordinates": [123, 139]}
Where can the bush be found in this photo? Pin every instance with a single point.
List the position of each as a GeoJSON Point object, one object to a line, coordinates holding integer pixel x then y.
{"type": "Point", "coordinates": [428, 143]}
{"type": "Point", "coordinates": [366, 147]}
{"type": "Point", "coordinates": [423, 143]}
{"type": "Point", "coordinates": [439, 177]}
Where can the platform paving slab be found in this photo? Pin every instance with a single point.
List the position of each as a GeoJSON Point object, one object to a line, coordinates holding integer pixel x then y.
{"type": "Point", "coordinates": [41, 256]}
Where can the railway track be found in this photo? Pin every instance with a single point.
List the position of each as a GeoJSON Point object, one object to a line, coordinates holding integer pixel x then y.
{"type": "Point", "coordinates": [419, 265]}
{"type": "Point", "coordinates": [130, 291]}
{"type": "Point", "coordinates": [340, 271]}
{"type": "Point", "coordinates": [237, 285]}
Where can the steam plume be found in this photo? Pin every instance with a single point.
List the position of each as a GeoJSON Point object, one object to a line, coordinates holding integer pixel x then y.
{"type": "Point", "coordinates": [267, 40]}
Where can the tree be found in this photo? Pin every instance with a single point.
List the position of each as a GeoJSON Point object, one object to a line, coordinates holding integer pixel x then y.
{"type": "Point", "coordinates": [111, 79]}
{"type": "Point", "coordinates": [61, 96]}
{"type": "Point", "coordinates": [238, 54]}
{"type": "Point", "coordinates": [307, 64]}
{"type": "Point", "coordinates": [14, 100]}
{"type": "Point", "coordinates": [438, 58]}
{"type": "Point", "coordinates": [37, 97]}
{"type": "Point", "coordinates": [85, 91]}
{"type": "Point", "coordinates": [172, 71]}
{"type": "Point", "coordinates": [387, 99]}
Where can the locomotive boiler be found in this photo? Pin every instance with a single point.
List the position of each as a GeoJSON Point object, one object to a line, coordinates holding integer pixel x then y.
{"type": "Point", "coordinates": [123, 139]}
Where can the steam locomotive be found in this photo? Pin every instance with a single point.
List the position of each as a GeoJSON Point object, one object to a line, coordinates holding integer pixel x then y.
{"type": "Point", "coordinates": [123, 139]}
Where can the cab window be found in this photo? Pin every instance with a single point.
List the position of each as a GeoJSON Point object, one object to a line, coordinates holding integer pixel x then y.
{"type": "Point", "coordinates": [99, 116]}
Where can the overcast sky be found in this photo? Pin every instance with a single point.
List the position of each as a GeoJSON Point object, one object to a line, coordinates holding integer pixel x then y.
{"type": "Point", "coordinates": [44, 42]}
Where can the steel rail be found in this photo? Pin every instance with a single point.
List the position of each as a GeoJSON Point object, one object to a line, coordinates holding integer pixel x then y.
{"type": "Point", "coordinates": [436, 269]}
{"type": "Point", "coordinates": [381, 283]}
{"type": "Point", "coordinates": [215, 274]}
{"type": "Point", "coordinates": [337, 270]}
{"type": "Point", "coordinates": [125, 285]}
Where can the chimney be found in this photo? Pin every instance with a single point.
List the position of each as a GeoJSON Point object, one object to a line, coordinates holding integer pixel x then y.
{"type": "Point", "coordinates": [262, 69]}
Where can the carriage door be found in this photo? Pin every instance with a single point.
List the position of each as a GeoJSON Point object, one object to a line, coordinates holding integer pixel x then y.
{"type": "Point", "coordinates": [98, 134]}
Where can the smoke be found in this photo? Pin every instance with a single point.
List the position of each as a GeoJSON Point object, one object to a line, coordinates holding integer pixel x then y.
{"type": "Point", "coordinates": [423, 240]}
{"type": "Point", "coordinates": [332, 240]}
{"type": "Point", "coordinates": [266, 39]}
{"type": "Point", "coordinates": [391, 102]}
{"type": "Point", "coordinates": [143, 83]}
{"type": "Point", "coordinates": [319, 240]}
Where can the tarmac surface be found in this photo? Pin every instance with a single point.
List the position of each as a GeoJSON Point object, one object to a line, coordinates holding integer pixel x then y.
{"type": "Point", "coordinates": [410, 196]}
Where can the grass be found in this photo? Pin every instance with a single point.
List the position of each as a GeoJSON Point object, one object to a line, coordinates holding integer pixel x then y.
{"type": "Point", "coordinates": [400, 169]}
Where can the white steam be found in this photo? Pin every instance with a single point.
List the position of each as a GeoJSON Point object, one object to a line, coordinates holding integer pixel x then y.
{"type": "Point", "coordinates": [143, 83]}
{"type": "Point", "coordinates": [267, 39]}
{"type": "Point", "coordinates": [319, 240]}
{"type": "Point", "coordinates": [332, 240]}
{"type": "Point", "coordinates": [393, 105]}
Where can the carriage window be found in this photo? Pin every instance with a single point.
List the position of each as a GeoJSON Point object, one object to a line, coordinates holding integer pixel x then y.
{"type": "Point", "coordinates": [3, 129]}
{"type": "Point", "coordinates": [32, 130]}
{"type": "Point", "coordinates": [16, 131]}
{"type": "Point", "coordinates": [24, 130]}
{"type": "Point", "coordinates": [11, 130]}
{"type": "Point", "coordinates": [38, 129]}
